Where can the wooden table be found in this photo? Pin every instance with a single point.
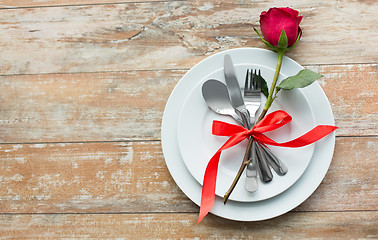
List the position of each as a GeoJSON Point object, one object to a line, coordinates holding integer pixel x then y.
{"type": "Point", "coordinates": [83, 87]}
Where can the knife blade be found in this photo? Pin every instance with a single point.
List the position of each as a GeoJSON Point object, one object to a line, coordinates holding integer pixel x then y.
{"type": "Point", "coordinates": [234, 91]}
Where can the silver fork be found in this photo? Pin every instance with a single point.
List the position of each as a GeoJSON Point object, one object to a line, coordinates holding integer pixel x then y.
{"type": "Point", "coordinates": [262, 157]}
{"type": "Point", "coordinates": [252, 92]}
{"type": "Point", "coordinates": [252, 99]}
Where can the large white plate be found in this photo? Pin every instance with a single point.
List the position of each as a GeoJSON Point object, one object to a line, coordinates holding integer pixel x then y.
{"type": "Point", "coordinates": [248, 211]}
{"type": "Point", "coordinates": [197, 144]}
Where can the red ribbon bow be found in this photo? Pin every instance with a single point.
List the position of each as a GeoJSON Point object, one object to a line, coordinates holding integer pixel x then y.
{"type": "Point", "coordinates": [237, 134]}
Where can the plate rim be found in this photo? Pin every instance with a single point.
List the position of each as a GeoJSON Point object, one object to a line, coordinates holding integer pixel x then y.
{"type": "Point", "coordinates": [244, 196]}
{"type": "Point", "coordinates": [192, 189]}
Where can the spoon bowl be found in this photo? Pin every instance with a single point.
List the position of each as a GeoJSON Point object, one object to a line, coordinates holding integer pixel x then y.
{"type": "Point", "coordinates": [216, 96]}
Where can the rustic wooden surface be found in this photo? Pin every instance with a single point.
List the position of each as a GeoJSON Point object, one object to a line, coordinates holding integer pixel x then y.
{"type": "Point", "coordinates": [80, 153]}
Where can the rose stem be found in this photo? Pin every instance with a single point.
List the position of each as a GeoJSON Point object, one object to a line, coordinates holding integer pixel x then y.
{"type": "Point", "coordinates": [268, 103]}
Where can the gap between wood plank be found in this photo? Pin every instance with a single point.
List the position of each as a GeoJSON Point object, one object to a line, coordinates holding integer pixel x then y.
{"type": "Point", "coordinates": [171, 213]}
{"type": "Point", "coordinates": [4, 7]}
{"type": "Point", "coordinates": [141, 140]}
{"type": "Point", "coordinates": [83, 142]}
{"type": "Point", "coordinates": [170, 69]}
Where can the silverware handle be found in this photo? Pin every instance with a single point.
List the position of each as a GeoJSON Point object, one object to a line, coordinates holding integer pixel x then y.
{"type": "Point", "coordinates": [278, 166]}
{"type": "Point", "coordinates": [238, 119]}
{"type": "Point", "coordinates": [263, 167]}
{"type": "Point", "coordinates": [243, 113]}
{"type": "Point", "coordinates": [251, 173]}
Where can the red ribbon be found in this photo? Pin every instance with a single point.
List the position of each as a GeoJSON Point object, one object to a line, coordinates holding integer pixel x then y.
{"type": "Point", "coordinates": [237, 134]}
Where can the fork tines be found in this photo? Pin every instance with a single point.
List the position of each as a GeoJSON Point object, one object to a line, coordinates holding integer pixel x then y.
{"type": "Point", "coordinates": [252, 80]}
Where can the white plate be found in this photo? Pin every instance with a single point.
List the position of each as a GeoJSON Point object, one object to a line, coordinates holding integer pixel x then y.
{"type": "Point", "coordinates": [248, 211]}
{"type": "Point", "coordinates": [197, 144]}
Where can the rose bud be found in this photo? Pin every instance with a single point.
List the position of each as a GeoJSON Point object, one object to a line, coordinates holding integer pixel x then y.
{"type": "Point", "coordinates": [280, 28]}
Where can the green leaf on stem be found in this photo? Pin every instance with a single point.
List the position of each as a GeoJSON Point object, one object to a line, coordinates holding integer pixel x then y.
{"type": "Point", "coordinates": [282, 41]}
{"type": "Point", "coordinates": [304, 78]}
{"type": "Point", "coordinates": [264, 87]}
{"type": "Point", "coordinates": [296, 41]}
{"type": "Point", "coordinates": [270, 46]}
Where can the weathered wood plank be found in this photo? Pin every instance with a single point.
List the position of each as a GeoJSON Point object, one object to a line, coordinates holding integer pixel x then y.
{"type": "Point", "coordinates": [80, 182]}
{"type": "Point", "coordinates": [10, 4]}
{"type": "Point", "coordinates": [350, 180]}
{"type": "Point", "coordinates": [352, 92]}
{"type": "Point", "coordinates": [130, 105]}
{"type": "Point", "coordinates": [88, 107]}
{"type": "Point", "coordinates": [132, 177]}
{"type": "Point", "coordinates": [330, 225]}
{"type": "Point", "coordinates": [135, 36]}
{"type": "Point", "coordinates": [89, 177]}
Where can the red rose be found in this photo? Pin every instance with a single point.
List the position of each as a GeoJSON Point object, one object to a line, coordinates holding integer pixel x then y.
{"type": "Point", "coordinates": [275, 19]}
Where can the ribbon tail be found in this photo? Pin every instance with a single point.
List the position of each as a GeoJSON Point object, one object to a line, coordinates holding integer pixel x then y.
{"type": "Point", "coordinates": [238, 134]}
{"type": "Point", "coordinates": [210, 177]}
{"type": "Point", "coordinates": [312, 136]}
{"type": "Point", "coordinates": [208, 188]}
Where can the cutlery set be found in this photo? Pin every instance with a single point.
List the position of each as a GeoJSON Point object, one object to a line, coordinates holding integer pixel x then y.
{"type": "Point", "coordinates": [187, 141]}
{"type": "Point", "coordinates": [227, 99]}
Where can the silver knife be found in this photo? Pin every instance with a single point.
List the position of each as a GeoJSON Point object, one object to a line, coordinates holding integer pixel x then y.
{"type": "Point", "coordinates": [237, 102]}
{"type": "Point", "coordinates": [234, 91]}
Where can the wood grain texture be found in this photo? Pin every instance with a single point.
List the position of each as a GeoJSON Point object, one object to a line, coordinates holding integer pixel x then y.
{"type": "Point", "coordinates": [10, 4]}
{"type": "Point", "coordinates": [352, 92]}
{"type": "Point", "coordinates": [84, 107]}
{"type": "Point", "coordinates": [351, 182]}
{"type": "Point", "coordinates": [83, 85]}
{"type": "Point", "coordinates": [88, 177]}
{"type": "Point", "coordinates": [130, 105]}
{"type": "Point", "coordinates": [132, 177]}
{"type": "Point", "coordinates": [321, 225]}
{"type": "Point", "coordinates": [173, 35]}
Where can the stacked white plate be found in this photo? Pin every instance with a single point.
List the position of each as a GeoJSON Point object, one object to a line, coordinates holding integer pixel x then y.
{"type": "Point", "coordinates": [188, 143]}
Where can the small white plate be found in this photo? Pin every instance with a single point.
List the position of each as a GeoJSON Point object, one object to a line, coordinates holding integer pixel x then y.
{"type": "Point", "coordinates": [197, 144]}
{"type": "Point", "coordinates": [247, 211]}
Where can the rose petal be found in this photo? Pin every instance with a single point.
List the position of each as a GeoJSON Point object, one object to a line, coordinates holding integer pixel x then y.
{"type": "Point", "coordinates": [275, 19]}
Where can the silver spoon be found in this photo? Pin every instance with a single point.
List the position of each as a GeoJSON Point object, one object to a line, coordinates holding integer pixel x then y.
{"type": "Point", "coordinates": [216, 96]}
